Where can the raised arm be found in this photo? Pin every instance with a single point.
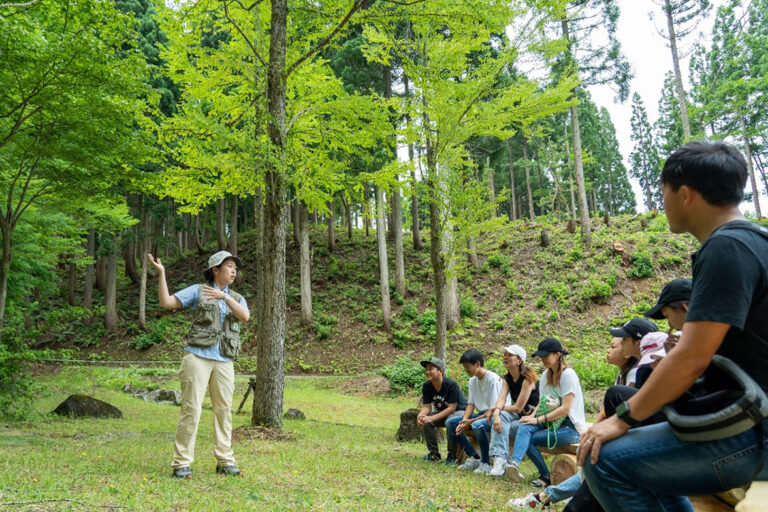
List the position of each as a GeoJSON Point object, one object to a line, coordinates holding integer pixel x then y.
{"type": "Point", "coordinates": [165, 299]}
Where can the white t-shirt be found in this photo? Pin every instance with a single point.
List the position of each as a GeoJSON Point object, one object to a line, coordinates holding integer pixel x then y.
{"type": "Point", "coordinates": [569, 383]}
{"type": "Point", "coordinates": [484, 392]}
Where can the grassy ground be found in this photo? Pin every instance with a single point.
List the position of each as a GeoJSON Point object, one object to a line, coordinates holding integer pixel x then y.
{"type": "Point", "coordinates": [342, 457]}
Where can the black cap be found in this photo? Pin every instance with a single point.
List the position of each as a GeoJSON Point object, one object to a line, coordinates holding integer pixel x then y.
{"type": "Point", "coordinates": [635, 329]}
{"type": "Point", "coordinates": [547, 346]}
{"type": "Point", "coordinates": [677, 290]}
{"type": "Point", "coordinates": [435, 361]}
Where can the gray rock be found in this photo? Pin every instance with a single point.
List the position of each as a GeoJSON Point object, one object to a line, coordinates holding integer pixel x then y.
{"type": "Point", "coordinates": [160, 396]}
{"type": "Point", "coordinates": [82, 406]}
{"type": "Point", "coordinates": [410, 430]}
{"type": "Point", "coordinates": [294, 414]}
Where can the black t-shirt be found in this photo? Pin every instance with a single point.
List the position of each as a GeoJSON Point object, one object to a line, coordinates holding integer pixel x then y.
{"type": "Point", "coordinates": [642, 374]}
{"type": "Point", "coordinates": [516, 387]}
{"type": "Point", "coordinates": [450, 393]}
{"type": "Point", "coordinates": [730, 286]}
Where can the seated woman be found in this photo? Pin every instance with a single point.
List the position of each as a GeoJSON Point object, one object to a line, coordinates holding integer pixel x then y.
{"type": "Point", "coordinates": [523, 389]}
{"type": "Point", "coordinates": [558, 382]}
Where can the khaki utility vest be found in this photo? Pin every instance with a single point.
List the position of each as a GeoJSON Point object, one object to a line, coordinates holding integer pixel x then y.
{"type": "Point", "coordinates": [207, 330]}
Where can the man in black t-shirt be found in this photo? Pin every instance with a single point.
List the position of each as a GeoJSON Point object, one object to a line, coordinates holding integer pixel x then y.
{"type": "Point", "coordinates": [442, 399]}
{"type": "Point", "coordinates": [649, 468]}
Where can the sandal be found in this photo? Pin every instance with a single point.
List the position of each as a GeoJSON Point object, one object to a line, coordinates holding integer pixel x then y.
{"type": "Point", "coordinates": [541, 482]}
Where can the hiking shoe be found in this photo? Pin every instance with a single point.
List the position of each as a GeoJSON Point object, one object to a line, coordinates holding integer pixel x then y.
{"type": "Point", "coordinates": [432, 457]}
{"type": "Point", "coordinates": [182, 473]}
{"type": "Point", "coordinates": [229, 470]}
{"type": "Point", "coordinates": [530, 502]}
{"type": "Point", "coordinates": [470, 464]}
{"type": "Point", "coordinates": [450, 462]}
{"type": "Point", "coordinates": [499, 465]}
{"type": "Point", "coordinates": [483, 469]}
{"type": "Point", "coordinates": [514, 474]}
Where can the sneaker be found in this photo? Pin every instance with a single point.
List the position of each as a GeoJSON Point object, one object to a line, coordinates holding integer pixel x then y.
{"type": "Point", "coordinates": [499, 465]}
{"type": "Point", "coordinates": [470, 464]}
{"type": "Point", "coordinates": [229, 470]}
{"type": "Point", "coordinates": [450, 462]}
{"type": "Point", "coordinates": [514, 474]}
{"type": "Point", "coordinates": [182, 473]}
{"type": "Point", "coordinates": [432, 457]}
{"type": "Point", "coordinates": [529, 502]}
{"type": "Point", "coordinates": [483, 469]}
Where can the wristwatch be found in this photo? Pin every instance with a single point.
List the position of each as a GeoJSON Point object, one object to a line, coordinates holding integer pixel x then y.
{"type": "Point", "coordinates": [227, 297]}
{"type": "Point", "coordinates": [622, 411]}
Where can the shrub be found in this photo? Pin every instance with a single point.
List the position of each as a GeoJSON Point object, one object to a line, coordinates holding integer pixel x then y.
{"type": "Point", "coordinates": [158, 332]}
{"type": "Point", "coordinates": [400, 337]}
{"type": "Point", "coordinates": [495, 260]}
{"type": "Point", "coordinates": [511, 289]}
{"type": "Point", "coordinates": [596, 290]}
{"type": "Point", "coordinates": [404, 375]}
{"type": "Point", "coordinates": [467, 307]}
{"type": "Point", "coordinates": [642, 265]}
{"type": "Point", "coordinates": [410, 312]}
{"type": "Point", "coordinates": [322, 325]}
{"type": "Point", "coordinates": [427, 321]}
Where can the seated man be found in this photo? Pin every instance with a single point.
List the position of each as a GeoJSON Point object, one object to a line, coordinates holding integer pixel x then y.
{"type": "Point", "coordinates": [442, 399]}
{"type": "Point", "coordinates": [484, 389]}
{"type": "Point", "coordinates": [702, 184]}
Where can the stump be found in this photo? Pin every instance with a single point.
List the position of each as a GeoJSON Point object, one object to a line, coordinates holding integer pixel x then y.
{"type": "Point", "coordinates": [571, 226]}
{"type": "Point", "coordinates": [562, 468]}
{"type": "Point", "coordinates": [607, 219]}
{"type": "Point", "coordinates": [545, 238]}
{"type": "Point", "coordinates": [643, 222]}
{"type": "Point", "coordinates": [755, 499]}
{"type": "Point", "coordinates": [410, 430]}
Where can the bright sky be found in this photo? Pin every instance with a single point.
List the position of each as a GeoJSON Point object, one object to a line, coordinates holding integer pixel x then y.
{"type": "Point", "coordinates": [650, 58]}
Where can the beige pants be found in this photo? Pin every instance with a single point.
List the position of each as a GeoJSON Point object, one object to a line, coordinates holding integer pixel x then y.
{"type": "Point", "coordinates": [196, 375]}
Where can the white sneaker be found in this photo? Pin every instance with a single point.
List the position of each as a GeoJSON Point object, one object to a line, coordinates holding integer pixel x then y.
{"type": "Point", "coordinates": [483, 469]}
{"type": "Point", "coordinates": [514, 474]}
{"type": "Point", "coordinates": [499, 465]}
{"type": "Point", "coordinates": [470, 464]}
{"type": "Point", "coordinates": [529, 502]}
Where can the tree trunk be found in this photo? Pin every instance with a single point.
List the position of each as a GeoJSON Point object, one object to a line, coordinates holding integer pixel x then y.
{"type": "Point", "coordinates": [331, 226]}
{"type": "Point", "coordinates": [397, 228]}
{"type": "Point", "coordinates": [258, 252]}
{"type": "Point", "coordinates": [383, 266]}
{"type": "Point", "coordinates": [452, 316]}
{"type": "Point", "coordinates": [366, 208]}
{"type": "Point", "coordinates": [131, 272]}
{"type": "Point", "coordinates": [678, 75]}
{"type": "Point", "coordinates": [221, 220]}
{"type": "Point", "coordinates": [89, 273]}
{"type": "Point", "coordinates": [306, 270]}
{"type": "Point", "coordinates": [6, 228]}
{"type": "Point", "coordinates": [472, 253]}
{"type": "Point", "coordinates": [144, 265]}
{"type": "Point", "coordinates": [531, 214]}
{"type": "Point", "coordinates": [348, 215]}
{"type": "Point", "coordinates": [750, 167]}
{"type": "Point", "coordinates": [110, 294]}
{"type": "Point", "coordinates": [491, 185]}
{"type": "Point", "coordinates": [417, 243]}
{"type": "Point", "coordinates": [101, 273]}
{"type": "Point", "coordinates": [233, 232]}
{"type": "Point", "coordinates": [513, 192]}
{"type": "Point", "coordinates": [435, 250]}
{"type": "Point", "coordinates": [198, 238]}
{"type": "Point", "coordinates": [270, 376]}
{"type": "Point", "coordinates": [578, 165]}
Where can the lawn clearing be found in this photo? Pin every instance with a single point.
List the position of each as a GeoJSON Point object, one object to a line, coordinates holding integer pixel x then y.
{"type": "Point", "coordinates": [342, 457]}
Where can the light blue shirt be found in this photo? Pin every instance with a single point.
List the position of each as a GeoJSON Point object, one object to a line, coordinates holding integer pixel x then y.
{"type": "Point", "coordinates": [188, 297]}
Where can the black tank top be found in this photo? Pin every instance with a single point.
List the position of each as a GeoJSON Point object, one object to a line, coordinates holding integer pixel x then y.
{"type": "Point", "coordinates": [516, 387]}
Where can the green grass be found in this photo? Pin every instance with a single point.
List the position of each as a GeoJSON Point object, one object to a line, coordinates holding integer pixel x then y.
{"type": "Point", "coordinates": [343, 457]}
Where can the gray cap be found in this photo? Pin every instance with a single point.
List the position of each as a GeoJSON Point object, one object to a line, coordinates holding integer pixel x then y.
{"type": "Point", "coordinates": [218, 258]}
{"type": "Point", "coordinates": [435, 361]}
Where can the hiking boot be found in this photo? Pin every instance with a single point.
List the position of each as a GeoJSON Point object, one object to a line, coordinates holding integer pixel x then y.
{"type": "Point", "coordinates": [229, 470]}
{"type": "Point", "coordinates": [432, 457]}
{"type": "Point", "coordinates": [514, 474]}
{"type": "Point", "coordinates": [499, 465]}
{"type": "Point", "coordinates": [182, 473]}
{"type": "Point", "coordinates": [482, 469]}
{"type": "Point", "coordinates": [450, 461]}
{"type": "Point", "coordinates": [529, 502]}
{"type": "Point", "coordinates": [470, 464]}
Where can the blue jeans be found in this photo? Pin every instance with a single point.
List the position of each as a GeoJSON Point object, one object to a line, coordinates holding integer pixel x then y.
{"type": "Point", "coordinates": [499, 446]}
{"type": "Point", "coordinates": [564, 489]}
{"type": "Point", "coordinates": [482, 431]}
{"type": "Point", "coordinates": [530, 436]}
{"type": "Point", "coordinates": [649, 468]}
{"type": "Point", "coordinates": [450, 430]}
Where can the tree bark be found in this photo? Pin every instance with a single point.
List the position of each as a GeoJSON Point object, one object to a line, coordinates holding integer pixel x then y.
{"type": "Point", "coordinates": [436, 245]}
{"type": "Point", "coordinates": [331, 226]}
{"type": "Point", "coordinates": [348, 215]}
{"type": "Point", "coordinates": [452, 316]}
{"type": "Point", "coordinates": [101, 273]}
{"type": "Point", "coordinates": [71, 284]}
{"type": "Point", "coordinates": [578, 165]}
{"type": "Point", "coordinates": [233, 228]}
{"type": "Point", "coordinates": [296, 222]}
{"type": "Point", "coordinates": [258, 252]}
{"type": "Point", "coordinates": [306, 270]}
{"type": "Point", "coordinates": [143, 283]}
{"type": "Point", "coordinates": [110, 294]}
{"type": "Point", "coordinates": [198, 240]}
{"type": "Point", "coordinates": [6, 227]}
{"type": "Point", "coordinates": [491, 185]}
{"type": "Point", "coordinates": [472, 253]}
{"type": "Point", "coordinates": [750, 167]}
{"type": "Point", "coordinates": [531, 213]}
{"type": "Point", "coordinates": [678, 75]}
{"type": "Point", "coordinates": [131, 272]}
{"type": "Point", "coordinates": [366, 209]}
{"type": "Point", "coordinates": [89, 273]}
{"type": "Point", "coordinates": [270, 376]}
{"type": "Point", "coordinates": [397, 228]}
{"type": "Point", "coordinates": [513, 191]}
{"type": "Point", "coordinates": [221, 220]}
{"type": "Point", "coordinates": [381, 238]}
